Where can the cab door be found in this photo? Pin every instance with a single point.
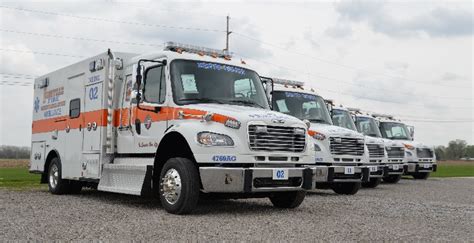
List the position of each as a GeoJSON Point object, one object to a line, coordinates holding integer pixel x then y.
{"type": "Point", "coordinates": [150, 118]}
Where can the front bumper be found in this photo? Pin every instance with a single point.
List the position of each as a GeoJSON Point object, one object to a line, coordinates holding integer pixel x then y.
{"type": "Point", "coordinates": [396, 168]}
{"type": "Point", "coordinates": [377, 170]}
{"type": "Point", "coordinates": [415, 167]}
{"type": "Point", "coordinates": [248, 180]}
{"type": "Point", "coordinates": [340, 173]}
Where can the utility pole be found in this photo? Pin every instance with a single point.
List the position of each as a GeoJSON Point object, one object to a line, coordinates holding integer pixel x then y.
{"type": "Point", "coordinates": [227, 35]}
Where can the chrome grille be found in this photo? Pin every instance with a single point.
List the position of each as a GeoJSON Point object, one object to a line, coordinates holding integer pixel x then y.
{"type": "Point", "coordinates": [396, 152]}
{"type": "Point", "coordinates": [276, 138]}
{"type": "Point", "coordinates": [424, 153]}
{"type": "Point", "coordinates": [375, 151]}
{"type": "Point", "coordinates": [346, 146]}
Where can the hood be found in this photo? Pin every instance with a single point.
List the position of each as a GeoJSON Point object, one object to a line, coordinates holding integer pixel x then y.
{"type": "Point", "coordinates": [245, 114]}
{"type": "Point", "coordinates": [372, 140]}
{"type": "Point", "coordinates": [415, 144]}
{"type": "Point", "coordinates": [392, 143]}
{"type": "Point", "coordinates": [334, 131]}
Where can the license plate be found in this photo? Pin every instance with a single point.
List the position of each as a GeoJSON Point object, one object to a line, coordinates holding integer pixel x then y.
{"type": "Point", "coordinates": [280, 174]}
{"type": "Point", "coordinates": [373, 168]}
{"type": "Point", "coordinates": [349, 170]}
{"type": "Point", "coordinates": [395, 167]}
{"type": "Point", "coordinates": [426, 166]}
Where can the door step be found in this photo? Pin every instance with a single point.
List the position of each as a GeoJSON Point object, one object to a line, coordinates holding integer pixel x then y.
{"type": "Point", "coordinates": [127, 179]}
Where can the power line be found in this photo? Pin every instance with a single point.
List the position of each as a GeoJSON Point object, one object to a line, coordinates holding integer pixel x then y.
{"type": "Point", "coordinates": [43, 53]}
{"type": "Point", "coordinates": [79, 38]}
{"type": "Point", "coordinates": [339, 64]}
{"type": "Point", "coordinates": [111, 20]}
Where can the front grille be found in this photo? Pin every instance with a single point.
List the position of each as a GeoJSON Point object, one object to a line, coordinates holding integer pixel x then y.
{"type": "Point", "coordinates": [424, 153]}
{"type": "Point", "coordinates": [276, 138]}
{"type": "Point", "coordinates": [375, 151]}
{"type": "Point", "coordinates": [396, 152]}
{"type": "Point", "coordinates": [346, 146]}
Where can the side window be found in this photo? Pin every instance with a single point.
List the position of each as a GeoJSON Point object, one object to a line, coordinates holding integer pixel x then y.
{"type": "Point", "coordinates": [244, 88]}
{"type": "Point", "coordinates": [155, 85]}
{"type": "Point", "coordinates": [75, 108]}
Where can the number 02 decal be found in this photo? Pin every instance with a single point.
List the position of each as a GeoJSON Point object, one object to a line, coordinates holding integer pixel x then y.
{"type": "Point", "coordinates": [94, 93]}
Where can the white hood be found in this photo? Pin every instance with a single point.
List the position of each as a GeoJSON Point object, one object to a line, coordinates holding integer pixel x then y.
{"type": "Point", "coordinates": [244, 114]}
{"type": "Point", "coordinates": [334, 131]}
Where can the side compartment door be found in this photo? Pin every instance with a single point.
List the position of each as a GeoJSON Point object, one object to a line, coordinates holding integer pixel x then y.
{"type": "Point", "coordinates": [94, 123]}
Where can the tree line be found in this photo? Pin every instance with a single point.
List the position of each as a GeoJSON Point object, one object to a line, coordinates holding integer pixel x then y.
{"type": "Point", "coordinates": [14, 152]}
{"type": "Point", "coordinates": [456, 149]}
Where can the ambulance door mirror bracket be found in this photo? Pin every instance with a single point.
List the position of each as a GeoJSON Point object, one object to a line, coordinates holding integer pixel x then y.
{"type": "Point", "coordinates": [139, 79]}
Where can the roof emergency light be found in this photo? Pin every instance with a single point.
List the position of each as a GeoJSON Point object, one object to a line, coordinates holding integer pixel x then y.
{"type": "Point", "coordinates": [179, 47]}
{"type": "Point", "coordinates": [287, 82]}
{"type": "Point", "coordinates": [356, 110]}
{"type": "Point", "coordinates": [383, 116]}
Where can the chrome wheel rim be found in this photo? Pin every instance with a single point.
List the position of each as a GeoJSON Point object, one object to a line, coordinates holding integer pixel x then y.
{"type": "Point", "coordinates": [171, 186]}
{"type": "Point", "coordinates": [53, 176]}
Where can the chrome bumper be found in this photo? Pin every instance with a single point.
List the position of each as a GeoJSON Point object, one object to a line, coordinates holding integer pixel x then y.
{"type": "Point", "coordinates": [338, 173]}
{"type": "Point", "coordinates": [396, 169]}
{"type": "Point", "coordinates": [248, 180]}
{"type": "Point", "coordinates": [377, 170]}
{"type": "Point", "coordinates": [414, 167]}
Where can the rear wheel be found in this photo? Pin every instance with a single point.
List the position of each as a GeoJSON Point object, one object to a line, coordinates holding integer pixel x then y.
{"type": "Point", "coordinates": [392, 179]}
{"type": "Point", "coordinates": [372, 183]}
{"type": "Point", "coordinates": [421, 175]}
{"type": "Point", "coordinates": [179, 186]}
{"type": "Point", "coordinates": [287, 199]}
{"type": "Point", "coordinates": [56, 184]}
{"type": "Point", "coordinates": [346, 188]}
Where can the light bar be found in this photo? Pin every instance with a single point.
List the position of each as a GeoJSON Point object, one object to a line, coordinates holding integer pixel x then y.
{"type": "Point", "coordinates": [383, 116]}
{"type": "Point", "coordinates": [287, 82]}
{"type": "Point", "coordinates": [329, 101]}
{"type": "Point", "coordinates": [174, 46]}
{"type": "Point", "coordinates": [354, 109]}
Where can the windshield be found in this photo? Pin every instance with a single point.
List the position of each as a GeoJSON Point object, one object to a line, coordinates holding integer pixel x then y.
{"type": "Point", "coordinates": [368, 126]}
{"type": "Point", "coordinates": [206, 82]}
{"type": "Point", "coordinates": [342, 118]}
{"type": "Point", "coordinates": [394, 130]}
{"type": "Point", "coordinates": [301, 105]}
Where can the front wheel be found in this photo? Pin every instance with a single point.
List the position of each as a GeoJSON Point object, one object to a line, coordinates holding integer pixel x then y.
{"type": "Point", "coordinates": [372, 183]}
{"type": "Point", "coordinates": [346, 188]}
{"type": "Point", "coordinates": [179, 186]}
{"type": "Point", "coordinates": [392, 179]}
{"type": "Point", "coordinates": [421, 175]}
{"type": "Point", "coordinates": [288, 199]}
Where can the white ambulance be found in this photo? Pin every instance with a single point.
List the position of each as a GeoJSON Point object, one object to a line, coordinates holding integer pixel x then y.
{"type": "Point", "coordinates": [395, 150]}
{"type": "Point", "coordinates": [421, 159]}
{"type": "Point", "coordinates": [375, 154]}
{"type": "Point", "coordinates": [338, 150]}
{"type": "Point", "coordinates": [175, 123]}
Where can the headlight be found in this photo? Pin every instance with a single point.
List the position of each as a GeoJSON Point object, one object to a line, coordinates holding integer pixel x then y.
{"type": "Point", "coordinates": [408, 146]}
{"type": "Point", "coordinates": [214, 139]}
{"type": "Point", "coordinates": [317, 135]}
{"type": "Point", "coordinates": [317, 148]}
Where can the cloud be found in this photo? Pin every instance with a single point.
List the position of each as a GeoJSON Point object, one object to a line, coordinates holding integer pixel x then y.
{"type": "Point", "coordinates": [437, 22]}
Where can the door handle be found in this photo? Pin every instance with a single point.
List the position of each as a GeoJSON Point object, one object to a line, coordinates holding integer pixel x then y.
{"type": "Point", "coordinates": [89, 126]}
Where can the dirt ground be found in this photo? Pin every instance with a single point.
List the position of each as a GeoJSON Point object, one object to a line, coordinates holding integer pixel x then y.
{"type": "Point", "coordinates": [13, 163]}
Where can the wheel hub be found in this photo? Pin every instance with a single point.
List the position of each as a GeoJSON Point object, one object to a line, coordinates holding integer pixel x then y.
{"type": "Point", "coordinates": [53, 176]}
{"type": "Point", "coordinates": [171, 186]}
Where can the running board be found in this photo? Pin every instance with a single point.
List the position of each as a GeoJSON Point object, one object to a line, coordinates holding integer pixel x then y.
{"type": "Point", "coordinates": [127, 179]}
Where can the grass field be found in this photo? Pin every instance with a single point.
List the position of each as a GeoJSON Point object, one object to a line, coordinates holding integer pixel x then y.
{"type": "Point", "coordinates": [14, 173]}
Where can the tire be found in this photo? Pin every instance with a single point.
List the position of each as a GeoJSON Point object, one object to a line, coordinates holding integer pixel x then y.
{"type": "Point", "coordinates": [392, 179]}
{"type": "Point", "coordinates": [179, 186]}
{"type": "Point", "coordinates": [421, 175]}
{"type": "Point", "coordinates": [346, 188]}
{"type": "Point", "coordinates": [372, 183]}
{"type": "Point", "coordinates": [56, 184]}
{"type": "Point", "coordinates": [287, 199]}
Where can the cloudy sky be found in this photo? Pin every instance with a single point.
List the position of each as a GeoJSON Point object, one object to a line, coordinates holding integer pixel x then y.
{"type": "Point", "coordinates": [412, 59]}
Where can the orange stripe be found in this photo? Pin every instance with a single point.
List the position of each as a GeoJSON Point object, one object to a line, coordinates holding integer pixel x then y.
{"type": "Point", "coordinates": [100, 116]}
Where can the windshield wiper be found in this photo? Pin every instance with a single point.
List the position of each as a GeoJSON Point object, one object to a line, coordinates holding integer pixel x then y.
{"type": "Point", "coordinates": [372, 135]}
{"type": "Point", "coordinates": [247, 102]}
{"type": "Point", "coordinates": [203, 100]}
{"type": "Point", "coordinates": [318, 121]}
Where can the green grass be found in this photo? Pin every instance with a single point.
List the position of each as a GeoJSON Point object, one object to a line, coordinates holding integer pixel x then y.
{"type": "Point", "coordinates": [447, 170]}
{"type": "Point", "coordinates": [19, 178]}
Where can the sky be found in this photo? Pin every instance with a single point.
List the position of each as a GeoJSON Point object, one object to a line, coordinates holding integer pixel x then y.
{"type": "Point", "coordinates": [412, 59]}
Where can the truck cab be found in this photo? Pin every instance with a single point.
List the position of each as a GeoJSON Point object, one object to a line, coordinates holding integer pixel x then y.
{"type": "Point", "coordinates": [177, 123]}
{"type": "Point", "coordinates": [375, 154]}
{"type": "Point", "coordinates": [420, 158]}
{"type": "Point", "coordinates": [338, 150]}
{"type": "Point", "coordinates": [395, 160]}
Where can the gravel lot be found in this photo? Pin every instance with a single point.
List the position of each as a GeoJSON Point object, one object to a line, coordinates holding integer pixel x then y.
{"type": "Point", "coordinates": [436, 209]}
